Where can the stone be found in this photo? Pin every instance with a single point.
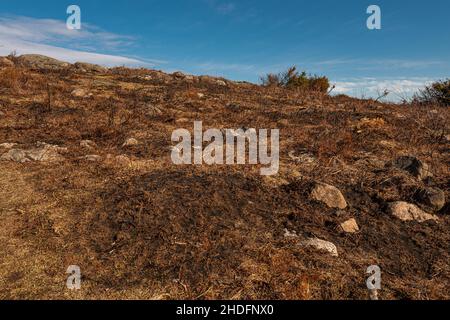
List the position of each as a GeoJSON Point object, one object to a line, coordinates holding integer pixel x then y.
{"type": "Point", "coordinates": [321, 245]}
{"type": "Point", "coordinates": [350, 226]}
{"type": "Point", "coordinates": [92, 157]}
{"type": "Point", "coordinates": [409, 212]}
{"type": "Point", "coordinates": [289, 234]}
{"type": "Point", "coordinates": [329, 195]}
{"type": "Point", "coordinates": [303, 158]}
{"type": "Point", "coordinates": [122, 160]}
{"type": "Point", "coordinates": [7, 145]}
{"type": "Point", "coordinates": [433, 198]}
{"type": "Point", "coordinates": [414, 166]}
{"type": "Point", "coordinates": [89, 67]}
{"type": "Point", "coordinates": [80, 93]}
{"type": "Point", "coordinates": [130, 142]}
{"type": "Point", "coordinates": [42, 153]}
{"type": "Point", "coordinates": [153, 111]}
{"type": "Point", "coordinates": [88, 144]}
{"type": "Point", "coordinates": [38, 61]}
{"type": "Point", "coordinates": [178, 75]}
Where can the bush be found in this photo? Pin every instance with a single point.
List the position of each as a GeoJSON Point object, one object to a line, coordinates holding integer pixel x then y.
{"type": "Point", "coordinates": [292, 79]}
{"type": "Point", "coordinates": [436, 93]}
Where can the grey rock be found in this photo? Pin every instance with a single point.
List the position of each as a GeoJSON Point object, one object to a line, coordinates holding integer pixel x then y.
{"type": "Point", "coordinates": [37, 61]}
{"type": "Point", "coordinates": [433, 198]}
{"type": "Point", "coordinates": [42, 153]}
{"type": "Point", "coordinates": [320, 245]}
{"type": "Point", "coordinates": [414, 166]}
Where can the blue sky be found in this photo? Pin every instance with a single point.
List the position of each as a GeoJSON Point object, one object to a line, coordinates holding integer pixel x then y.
{"type": "Point", "coordinates": [242, 40]}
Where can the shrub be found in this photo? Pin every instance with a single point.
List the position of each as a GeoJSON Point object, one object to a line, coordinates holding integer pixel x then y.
{"type": "Point", "coordinates": [292, 79]}
{"type": "Point", "coordinates": [436, 93]}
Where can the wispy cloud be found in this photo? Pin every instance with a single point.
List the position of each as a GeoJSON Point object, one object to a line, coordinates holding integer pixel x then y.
{"type": "Point", "coordinates": [51, 37]}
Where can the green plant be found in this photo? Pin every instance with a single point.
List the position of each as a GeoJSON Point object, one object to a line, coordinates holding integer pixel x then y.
{"type": "Point", "coordinates": [292, 79]}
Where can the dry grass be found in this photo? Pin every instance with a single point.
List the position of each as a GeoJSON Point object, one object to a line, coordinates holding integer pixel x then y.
{"type": "Point", "coordinates": [147, 229]}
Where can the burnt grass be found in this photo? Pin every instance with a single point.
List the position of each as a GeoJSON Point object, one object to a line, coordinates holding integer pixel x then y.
{"type": "Point", "coordinates": [153, 230]}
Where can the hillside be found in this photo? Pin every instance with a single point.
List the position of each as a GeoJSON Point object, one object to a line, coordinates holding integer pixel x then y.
{"type": "Point", "coordinates": [86, 179]}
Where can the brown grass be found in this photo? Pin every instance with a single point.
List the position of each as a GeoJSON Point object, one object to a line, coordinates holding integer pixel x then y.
{"type": "Point", "coordinates": [147, 229]}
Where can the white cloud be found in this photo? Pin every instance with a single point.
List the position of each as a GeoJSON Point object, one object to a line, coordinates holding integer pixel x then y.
{"type": "Point", "coordinates": [51, 38]}
{"type": "Point", "coordinates": [372, 87]}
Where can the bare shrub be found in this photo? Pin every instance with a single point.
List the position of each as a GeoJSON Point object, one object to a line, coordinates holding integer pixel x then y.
{"type": "Point", "coordinates": [438, 93]}
{"type": "Point", "coordinates": [292, 79]}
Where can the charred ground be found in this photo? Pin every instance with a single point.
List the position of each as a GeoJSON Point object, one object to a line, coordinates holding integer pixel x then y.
{"type": "Point", "coordinates": [141, 227]}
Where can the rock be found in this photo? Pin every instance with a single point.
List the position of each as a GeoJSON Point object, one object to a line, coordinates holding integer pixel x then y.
{"type": "Point", "coordinates": [200, 95]}
{"type": "Point", "coordinates": [329, 195]}
{"type": "Point", "coordinates": [37, 61]}
{"type": "Point", "coordinates": [43, 153]}
{"type": "Point", "coordinates": [350, 226]}
{"type": "Point", "coordinates": [212, 80]}
{"type": "Point", "coordinates": [409, 212]}
{"type": "Point", "coordinates": [320, 245]}
{"type": "Point", "coordinates": [122, 160]}
{"type": "Point", "coordinates": [15, 155]}
{"type": "Point", "coordinates": [8, 145]}
{"type": "Point", "coordinates": [414, 166]}
{"type": "Point", "coordinates": [2, 113]}
{"type": "Point", "coordinates": [80, 93]}
{"type": "Point", "coordinates": [89, 67]}
{"type": "Point", "coordinates": [283, 122]}
{"type": "Point", "coordinates": [178, 75]}
{"type": "Point", "coordinates": [5, 62]}
{"type": "Point", "coordinates": [302, 157]}
{"type": "Point", "coordinates": [447, 137]}
{"type": "Point", "coordinates": [92, 157]}
{"type": "Point", "coordinates": [130, 142]}
{"type": "Point", "coordinates": [433, 198]}
{"type": "Point", "coordinates": [289, 234]}
{"type": "Point", "coordinates": [153, 111]}
{"type": "Point", "coordinates": [88, 144]}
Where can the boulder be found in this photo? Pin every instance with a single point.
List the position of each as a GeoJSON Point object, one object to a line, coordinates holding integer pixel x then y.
{"type": "Point", "coordinates": [433, 198]}
{"type": "Point", "coordinates": [414, 166]}
{"type": "Point", "coordinates": [37, 61]}
{"type": "Point", "coordinates": [409, 212]}
{"type": "Point", "coordinates": [42, 153]}
{"type": "Point", "coordinates": [320, 245]}
{"type": "Point", "coordinates": [329, 195]}
{"type": "Point", "coordinates": [89, 67]}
